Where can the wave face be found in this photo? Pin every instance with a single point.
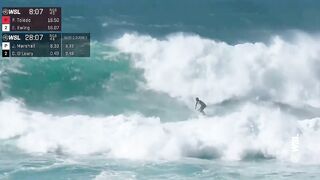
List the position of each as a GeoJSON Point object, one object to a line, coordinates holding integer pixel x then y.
{"type": "Point", "coordinates": [105, 84]}
{"type": "Point", "coordinates": [263, 100]}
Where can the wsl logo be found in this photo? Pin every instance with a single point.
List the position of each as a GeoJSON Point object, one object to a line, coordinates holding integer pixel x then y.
{"type": "Point", "coordinates": [10, 37]}
{"type": "Point", "coordinates": [5, 37]}
{"type": "Point", "coordinates": [6, 11]}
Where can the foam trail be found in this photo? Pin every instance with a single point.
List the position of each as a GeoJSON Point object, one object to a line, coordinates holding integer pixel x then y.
{"type": "Point", "coordinates": [252, 130]}
{"type": "Point", "coordinates": [187, 66]}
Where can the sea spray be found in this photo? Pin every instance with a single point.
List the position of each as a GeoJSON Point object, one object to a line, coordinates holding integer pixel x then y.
{"type": "Point", "coordinates": [188, 66]}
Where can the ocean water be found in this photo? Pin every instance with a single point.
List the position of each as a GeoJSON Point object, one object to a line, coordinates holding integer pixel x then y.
{"type": "Point", "coordinates": [127, 112]}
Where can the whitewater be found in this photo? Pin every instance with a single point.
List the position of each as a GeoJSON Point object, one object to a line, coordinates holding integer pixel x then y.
{"type": "Point", "coordinates": [261, 97]}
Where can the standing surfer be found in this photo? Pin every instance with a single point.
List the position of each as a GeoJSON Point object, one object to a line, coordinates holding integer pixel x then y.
{"type": "Point", "coordinates": [202, 106]}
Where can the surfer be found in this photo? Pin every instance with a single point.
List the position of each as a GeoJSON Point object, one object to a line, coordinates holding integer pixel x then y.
{"type": "Point", "coordinates": [202, 106]}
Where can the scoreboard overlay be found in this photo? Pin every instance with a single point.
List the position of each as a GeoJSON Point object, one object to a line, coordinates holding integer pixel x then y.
{"type": "Point", "coordinates": [36, 32]}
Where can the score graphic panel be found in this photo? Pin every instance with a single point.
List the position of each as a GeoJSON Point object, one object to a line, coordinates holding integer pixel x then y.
{"type": "Point", "coordinates": [32, 19]}
{"type": "Point", "coordinates": [33, 44]}
{"type": "Point", "coordinates": [46, 44]}
{"type": "Point", "coordinates": [36, 32]}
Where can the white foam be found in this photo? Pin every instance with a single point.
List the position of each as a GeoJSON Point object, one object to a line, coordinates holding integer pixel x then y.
{"type": "Point", "coordinates": [115, 175]}
{"type": "Point", "coordinates": [251, 130]}
{"type": "Point", "coordinates": [187, 66]}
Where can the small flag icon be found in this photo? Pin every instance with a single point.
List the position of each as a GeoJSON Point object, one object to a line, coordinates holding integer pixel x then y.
{"type": "Point", "coordinates": [5, 27]}
{"type": "Point", "coordinates": [5, 53]}
{"type": "Point", "coordinates": [6, 46]}
{"type": "Point", "coordinates": [5, 19]}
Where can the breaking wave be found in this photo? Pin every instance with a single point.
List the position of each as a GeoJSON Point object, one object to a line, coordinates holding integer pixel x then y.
{"type": "Point", "coordinates": [254, 131]}
{"type": "Point", "coordinates": [186, 66]}
{"type": "Point", "coordinates": [273, 81]}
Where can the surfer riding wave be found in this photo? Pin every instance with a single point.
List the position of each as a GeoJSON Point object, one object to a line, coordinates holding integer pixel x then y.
{"type": "Point", "coordinates": [202, 106]}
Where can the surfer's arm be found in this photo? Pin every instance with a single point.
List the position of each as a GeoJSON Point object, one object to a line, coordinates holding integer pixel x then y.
{"type": "Point", "coordinates": [195, 107]}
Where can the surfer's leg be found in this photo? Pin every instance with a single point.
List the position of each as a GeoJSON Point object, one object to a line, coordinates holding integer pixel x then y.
{"type": "Point", "coordinates": [203, 113]}
{"type": "Point", "coordinates": [201, 110]}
